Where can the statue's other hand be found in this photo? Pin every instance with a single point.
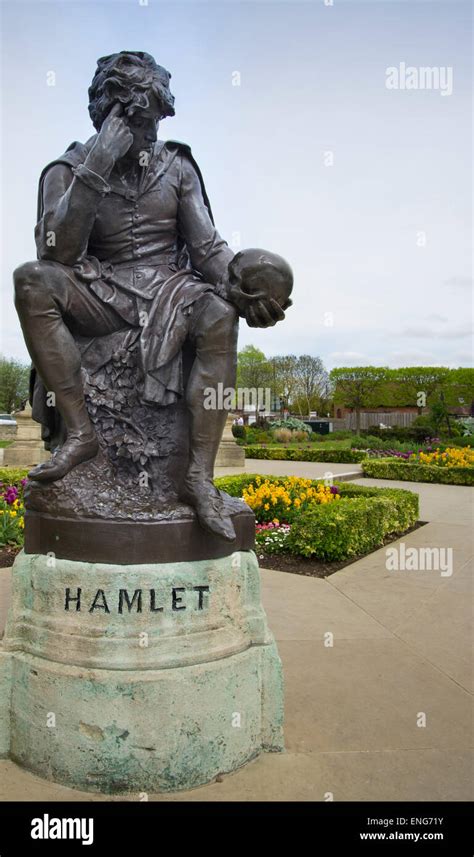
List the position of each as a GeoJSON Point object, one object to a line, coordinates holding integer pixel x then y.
{"type": "Point", "coordinates": [115, 137]}
{"type": "Point", "coordinates": [264, 313]}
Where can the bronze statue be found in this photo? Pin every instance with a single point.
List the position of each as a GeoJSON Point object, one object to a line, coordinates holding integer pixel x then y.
{"type": "Point", "coordinates": [131, 267]}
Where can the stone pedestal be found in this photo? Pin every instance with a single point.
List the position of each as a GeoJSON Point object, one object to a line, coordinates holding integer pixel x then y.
{"type": "Point", "coordinates": [28, 449]}
{"type": "Point", "coordinates": [230, 454]}
{"type": "Point", "coordinates": [138, 678]}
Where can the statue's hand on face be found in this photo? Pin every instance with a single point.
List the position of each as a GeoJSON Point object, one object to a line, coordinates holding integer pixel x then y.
{"type": "Point", "coordinates": [115, 137]}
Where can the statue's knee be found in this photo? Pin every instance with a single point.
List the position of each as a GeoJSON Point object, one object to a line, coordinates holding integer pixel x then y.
{"type": "Point", "coordinates": [29, 278]}
{"type": "Point", "coordinates": [220, 319]}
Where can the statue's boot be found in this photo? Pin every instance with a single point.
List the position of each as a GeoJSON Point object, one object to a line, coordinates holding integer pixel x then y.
{"type": "Point", "coordinates": [209, 505]}
{"type": "Point", "coordinates": [81, 443]}
{"type": "Point", "coordinates": [76, 450]}
{"type": "Point", "coordinates": [57, 360]}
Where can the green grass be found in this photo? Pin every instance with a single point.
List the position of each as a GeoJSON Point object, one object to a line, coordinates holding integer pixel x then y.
{"type": "Point", "coordinates": [5, 443]}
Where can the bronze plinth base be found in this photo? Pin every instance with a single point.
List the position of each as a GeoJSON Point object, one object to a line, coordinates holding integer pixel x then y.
{"type": "Point", "coordinates": [133, 542]}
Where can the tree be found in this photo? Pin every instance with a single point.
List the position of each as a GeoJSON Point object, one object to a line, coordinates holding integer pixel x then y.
{"type": "Point", "coordinates": [460, 387]}
{"type": "Point", "coordinates": [358, 387]}
{"type": "Point", "coordinates": [284, 376]}
{"type": "Point", "coordinates": [311, 381]}
{"type": "Point", "coordinates": [437, 388]}
{"type": "Point", "coordinates": [254, 373]}
{"type": "Point", "coordinates": [14, 384]}
{"type": "Point", "coordinates": [418, 385]}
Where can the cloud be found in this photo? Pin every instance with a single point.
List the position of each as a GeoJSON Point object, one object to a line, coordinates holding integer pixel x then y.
{"type": "Point", "coordinates": [435, 317]}
{"type": "Point", "coordinates": [459, 282]}
{"type": "Point", "coordinates": [347, 357]}
{"type": "Point", "coordinates": [423, 332]}
{"type": "Point", "coordinates": [463, 358]}
{"type": "Point", "coordinates": [414, 358]}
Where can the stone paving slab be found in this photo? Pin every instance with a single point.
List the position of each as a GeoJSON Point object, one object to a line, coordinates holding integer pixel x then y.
{"type": "Point", "coordinates": [440, 629]}
{"type": "Point", "coordinates": [400, 647]}
{"type": "Point", "coordinates": [307, 469]}
{"type": "Point", "coordinates": [305, 608]}
{"type": "Point", "coordinates": [366, 695]}
{"type": "Point", "coordinates": [400, 775]}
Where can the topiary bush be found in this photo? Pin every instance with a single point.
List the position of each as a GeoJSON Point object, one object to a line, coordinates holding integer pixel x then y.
{"type": "Point", "coordinates": [238, 431]}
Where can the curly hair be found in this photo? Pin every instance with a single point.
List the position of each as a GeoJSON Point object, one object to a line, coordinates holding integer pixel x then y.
{"type": "Point", "coordinates": [129, 77]}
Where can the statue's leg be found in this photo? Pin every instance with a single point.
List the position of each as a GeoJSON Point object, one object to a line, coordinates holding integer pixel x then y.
{"type": "Point", "coordinates": [45, 293]}
{"type": "Point", "coordinates": [214, 331]}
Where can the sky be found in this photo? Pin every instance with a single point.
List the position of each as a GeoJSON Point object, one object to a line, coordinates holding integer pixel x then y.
{"type": "Point", "coordinates": [305, 151]}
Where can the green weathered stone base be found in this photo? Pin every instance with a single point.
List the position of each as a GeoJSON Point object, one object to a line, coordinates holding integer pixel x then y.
{"type": "Point", "coordinates": [138, 700]}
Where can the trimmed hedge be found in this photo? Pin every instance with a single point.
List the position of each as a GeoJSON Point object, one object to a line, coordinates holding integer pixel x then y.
{"type": "Point", "coordinates": [406, 502]}
{"type": "Point", "coordinates": [12, 475]}
{"type": "Point", "coordinates": [334, 456]}
{"type": "Point", "coordinates": [353, 525]}
{"type": "Point", "coordinates": [396, 468]}
{"type": "Point", "coordinates": [234, 485]}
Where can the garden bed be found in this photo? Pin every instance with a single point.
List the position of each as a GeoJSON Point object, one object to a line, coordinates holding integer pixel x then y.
{"type": "Point", "coordinates": [312, 567]}
{"type": "Point", "coordinates": [308, 519]}
{"type": "Point", "coordinates": [412, 471]}
{"type": "Point", "coordinates": [8, 554]}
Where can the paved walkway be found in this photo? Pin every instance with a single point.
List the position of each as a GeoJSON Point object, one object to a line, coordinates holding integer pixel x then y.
{"type": "Point", "coordinates": [401, 644]}
{"type": "Point", "coordinates": [309, 469]}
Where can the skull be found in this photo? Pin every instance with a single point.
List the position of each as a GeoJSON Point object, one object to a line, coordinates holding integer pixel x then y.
{"type": "Point", "coordinates": [257, 275]}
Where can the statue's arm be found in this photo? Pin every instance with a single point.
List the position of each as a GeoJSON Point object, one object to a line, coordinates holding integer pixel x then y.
{"type": "Point", "coordinates": [209, 253]}
{"type": "Point", "coordinates": [70, 208]}
{"type": "Point", "coordinates": [71, 197]}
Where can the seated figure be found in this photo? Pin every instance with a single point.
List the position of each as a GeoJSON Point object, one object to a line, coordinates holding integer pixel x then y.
{"type": "Point", "coordinates": [127, 248]}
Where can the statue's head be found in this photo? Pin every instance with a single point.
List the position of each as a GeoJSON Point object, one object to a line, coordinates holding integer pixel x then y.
{"type": "Point", "coordinates": [134, 79]}
{"type": "Point", "coordinates": [255, 275]}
